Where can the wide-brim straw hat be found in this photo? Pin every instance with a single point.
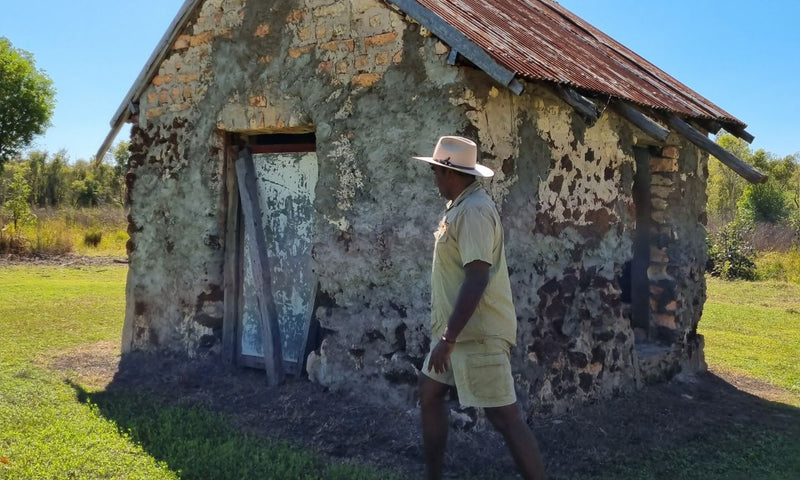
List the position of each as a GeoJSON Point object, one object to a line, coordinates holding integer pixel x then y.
{"type": "Point", "coordinates": [457, 153]}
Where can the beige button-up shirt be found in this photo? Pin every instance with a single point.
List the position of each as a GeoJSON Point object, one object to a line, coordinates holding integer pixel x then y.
{"type": "Point", "coordinates": [469, 231]}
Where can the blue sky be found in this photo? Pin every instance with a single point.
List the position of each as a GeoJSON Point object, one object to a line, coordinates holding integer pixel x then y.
{"type": "Point", "coordinates": [742, 55]}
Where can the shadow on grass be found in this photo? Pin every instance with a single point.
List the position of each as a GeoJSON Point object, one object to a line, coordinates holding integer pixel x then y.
{"type": "Point", "coordinates": [210, 421]}
{"type": "Point", "coordinates": [206, 421]}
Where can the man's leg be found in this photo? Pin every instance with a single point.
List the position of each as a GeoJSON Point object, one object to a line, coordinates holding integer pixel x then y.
{"type": "Point", "coordinates": [519, 438]}
{"type": "Point", "coordinates": [432, 396]}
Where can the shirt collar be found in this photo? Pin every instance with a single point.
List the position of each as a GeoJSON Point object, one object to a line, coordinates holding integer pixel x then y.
{"type": "Point", "coordinates": [472, 187]}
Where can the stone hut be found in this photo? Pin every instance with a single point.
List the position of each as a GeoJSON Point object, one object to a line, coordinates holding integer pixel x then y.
{"type": "Point", "coordinates": [277, 222]}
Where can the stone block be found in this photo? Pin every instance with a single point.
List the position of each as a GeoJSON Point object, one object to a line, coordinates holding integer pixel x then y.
{"type": "Point", "coordinates": [382, 59]}
{"type": "Point", "coordinates": [181, 43]}
{"type": "Point", "coordinates": [661, 164]}
{"type": "Point", "coordinates": [362, 62]}
{"type": "Point", "coordinates": [658, 255]}
{"type": "Point", "coordinates": [258, 101]}
{"type": "Point", "coordinates": [332, 10]}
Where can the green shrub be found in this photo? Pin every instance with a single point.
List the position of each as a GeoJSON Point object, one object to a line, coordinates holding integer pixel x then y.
{"type": "Point", "coordinates": [780, 266]}
{"type": "Point", "coordinates": [92, 238]}
{"type": "Point", "coordinates": [730, 255]}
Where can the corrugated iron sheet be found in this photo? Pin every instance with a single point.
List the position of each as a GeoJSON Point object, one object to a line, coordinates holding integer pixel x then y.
{"type": "Point", "coordinates": [541, 40]}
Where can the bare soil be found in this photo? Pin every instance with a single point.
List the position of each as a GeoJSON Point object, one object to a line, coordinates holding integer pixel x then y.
{"type": "Point", "coordinates": [344, 427]}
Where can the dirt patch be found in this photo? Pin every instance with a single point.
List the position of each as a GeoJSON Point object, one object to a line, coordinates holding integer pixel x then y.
{"type": "Point", "coordinates": [344, 426]}
{"type": "Point", "coordinates": [69, 260]}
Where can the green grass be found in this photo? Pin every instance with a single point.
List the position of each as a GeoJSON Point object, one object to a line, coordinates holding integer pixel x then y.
{"type": "Point", "coordinates": [54, 429]}
{"type": "Point", "coordinates": [753, 328]}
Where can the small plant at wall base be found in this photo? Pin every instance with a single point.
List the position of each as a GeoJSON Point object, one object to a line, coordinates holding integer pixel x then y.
{"type": "Point", "coordinates": [730, 256]}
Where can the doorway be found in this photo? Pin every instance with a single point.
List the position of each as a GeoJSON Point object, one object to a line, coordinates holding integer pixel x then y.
{"type": "Point", "coordinates": [286, 174]}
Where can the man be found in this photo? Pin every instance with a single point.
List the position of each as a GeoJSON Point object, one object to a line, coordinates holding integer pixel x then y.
{"type": "Point", "coordinates": [473, 322]}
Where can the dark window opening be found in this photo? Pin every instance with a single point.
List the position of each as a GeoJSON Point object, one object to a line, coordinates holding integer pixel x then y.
{"type": "Point", "coordinates": [283, 142]}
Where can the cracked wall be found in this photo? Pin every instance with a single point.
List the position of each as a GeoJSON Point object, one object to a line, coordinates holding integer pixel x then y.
{"type": "Point", "coordinates": [376, 89]}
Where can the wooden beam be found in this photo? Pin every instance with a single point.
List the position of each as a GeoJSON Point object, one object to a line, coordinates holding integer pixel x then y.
{"type": "Point", "coordinates": [585, 108]}
{"type": "Point", "coordinates": [640, 120]}
{"type": "Point", "coordinates": [231, 269]}
{"type": "Point", "coordinates": [702, 141]}
{"type": "Point", "coordinates": [738, 131]}
{"type": "Point", "coordinates": [259, 262]}
{"type": "Point", "coordinates": [458, 42]}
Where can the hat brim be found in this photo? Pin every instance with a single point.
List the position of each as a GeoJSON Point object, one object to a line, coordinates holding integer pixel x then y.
{"type": "Point", "coordinates": [479, 170]}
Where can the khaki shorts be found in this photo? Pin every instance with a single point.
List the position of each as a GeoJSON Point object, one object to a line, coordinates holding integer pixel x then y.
{"type": "Point", "coordinates": [480, 371]}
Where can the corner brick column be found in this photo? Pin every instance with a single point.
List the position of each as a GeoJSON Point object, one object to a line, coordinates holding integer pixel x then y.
{"type": "Point", "coordinates": [663, 286]}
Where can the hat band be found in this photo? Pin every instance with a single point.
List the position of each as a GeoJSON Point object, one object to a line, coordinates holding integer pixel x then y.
{"type": "Point", "coordinates": [450, 164]}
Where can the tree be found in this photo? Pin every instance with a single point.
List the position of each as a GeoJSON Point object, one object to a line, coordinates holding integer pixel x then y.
{"type": "Point", "coordinates": [18, 191]}
{"type": "Point", "coordinates": [27, 100]}
{"type": "Point", "coordinates": [725, 187]}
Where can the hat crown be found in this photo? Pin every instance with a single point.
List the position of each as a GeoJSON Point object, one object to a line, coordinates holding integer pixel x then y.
{"type": "Point", "coordinates": [459, 151]}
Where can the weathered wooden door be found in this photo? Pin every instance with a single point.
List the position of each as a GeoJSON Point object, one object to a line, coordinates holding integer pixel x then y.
{"type": "Point", "coordinates": [285, 190]}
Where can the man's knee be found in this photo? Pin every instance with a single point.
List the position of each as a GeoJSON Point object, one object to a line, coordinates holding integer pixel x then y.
{"type": "Point", "coordinates": [431, 392]}
{"type": "Point", "coordinates": [503, 418]}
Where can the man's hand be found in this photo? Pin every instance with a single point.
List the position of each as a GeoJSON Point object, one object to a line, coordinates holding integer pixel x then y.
{"type": "Point", "coordinates": [440, 357]}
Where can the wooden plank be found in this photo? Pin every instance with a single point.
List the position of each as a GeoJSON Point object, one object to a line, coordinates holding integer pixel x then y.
{"type": "Point", "coordinates": [458, 42]}
{"type": "Point", "coordinates": [640, 120]}
{"type": "Point", "coordinates": [231, 268]}
{"type": "Point", "coordinates": [251, 216]}
{"type": "Point", "coordinates": [585, 108]}
{"type": "Point", "coordinates": [702, 141]}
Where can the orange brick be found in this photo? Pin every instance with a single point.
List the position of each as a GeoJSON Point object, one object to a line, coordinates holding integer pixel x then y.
{"type": "Point", "coordinates": [188, 77]}
{"type": "Point", "coordinates": [382, 58]}
{"type": "Point", "coordinates": [666, 320]}
{"type": "Point", "coordinates": [296, 16]}
{"type": "Point", "coordinates": [379, 40]}
{"type": "Point", "coordinates": [159, 80]}
{"type": "Point", "coordinates": [152, 97]}
{"type": "Point", "coordinates": [154, 112]}
{"type": "Point", "coordinates": [297, 52]}
{"type": "Point", "coordinates": [342, 67]}
{"type": "Point", "coordinates": [201, 39]}
{"type": "Point", "coordinates": [264, 59]}
{"type": "Point", "coordinates": [661, 164]}
{"type": "Point", "coordinates": [365, 79]}
{"type": "Point", "coordinates": [398, 57]}
{"type": "Point", "coordinates": [163, 96]}
{"type": "Point", "coordinates": [670, 152]}
{"type": "Point", "coordinates": [176, 94]}
{"type": "Point", "coordinates": [329, 46]}
{"type": "Point", "coordinates": [325, 66]}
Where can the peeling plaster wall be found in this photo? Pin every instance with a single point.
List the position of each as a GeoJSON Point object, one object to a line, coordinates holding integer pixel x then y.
{"type": "Point", "coordinates": [376, 90]}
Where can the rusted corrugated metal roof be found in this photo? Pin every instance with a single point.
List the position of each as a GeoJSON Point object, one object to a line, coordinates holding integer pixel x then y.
{"type": "Point", "coordinates": [541, 40]}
